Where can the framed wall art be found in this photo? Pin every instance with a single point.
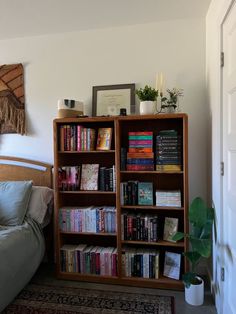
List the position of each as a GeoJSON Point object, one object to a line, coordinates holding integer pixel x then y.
{"type": "Point", "coordinates": [12, 99]}
{"type": "Point", "coordinates": [108, 100]}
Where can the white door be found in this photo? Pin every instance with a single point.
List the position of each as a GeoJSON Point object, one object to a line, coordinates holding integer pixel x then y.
{"type": "Point", "coordinates": [229, 158]}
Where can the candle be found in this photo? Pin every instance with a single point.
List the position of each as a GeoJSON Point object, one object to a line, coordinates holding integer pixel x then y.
{"type": "Point", "coordinates": [157, 81]}
{"type": "Point", "coordinates": [161, 83]}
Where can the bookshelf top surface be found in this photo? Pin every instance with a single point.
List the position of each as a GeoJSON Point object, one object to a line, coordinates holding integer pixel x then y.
{"type": "Point", "coordinates": [121, 118]}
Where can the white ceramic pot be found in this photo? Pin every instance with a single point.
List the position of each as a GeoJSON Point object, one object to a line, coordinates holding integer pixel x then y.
{"type": "Point", "coordinates": [194, 295]}
{"type": "Point", "coordinates": [147, 107]}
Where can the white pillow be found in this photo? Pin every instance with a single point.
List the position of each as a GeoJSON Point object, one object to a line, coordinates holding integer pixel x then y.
{"type": "Point", "coordinates": [39, 204]}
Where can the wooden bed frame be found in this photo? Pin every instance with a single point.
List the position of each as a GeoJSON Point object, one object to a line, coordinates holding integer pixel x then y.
{"type": "Point", "coordinates": [17, 169]}
{"type": "Point", "coordinates": [20, 169]}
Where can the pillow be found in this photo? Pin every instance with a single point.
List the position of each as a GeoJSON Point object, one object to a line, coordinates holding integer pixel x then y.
{"type": "Point", "coordinates": [40, 204]}
{"type": "Point", "coordinates": [14, 199]}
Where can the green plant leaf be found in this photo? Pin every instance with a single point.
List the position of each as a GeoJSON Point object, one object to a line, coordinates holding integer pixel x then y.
{"type": "Point", "coordinates": [201, 246]}
{"type": "Point", "coordinates": [198, 212]}
{"type": "Point", "coordinates": [189, 278]}
{"type": "Point", "coordinates": [178, 236]}
{"type": "Point", "coordinates": [193, 256]}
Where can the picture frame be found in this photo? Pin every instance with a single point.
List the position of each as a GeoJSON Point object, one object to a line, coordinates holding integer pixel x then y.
{"type": "Point", "coordinates": [109, 99]}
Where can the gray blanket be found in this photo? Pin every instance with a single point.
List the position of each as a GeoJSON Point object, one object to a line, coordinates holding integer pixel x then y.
{"type": "Point", "coordinates": [21, 251]}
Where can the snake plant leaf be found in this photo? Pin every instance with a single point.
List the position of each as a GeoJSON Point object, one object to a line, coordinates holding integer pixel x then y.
{"type": "Point", "coordinates": [201, 246]}
{"type": "Point", "coordinates": [198, 212]}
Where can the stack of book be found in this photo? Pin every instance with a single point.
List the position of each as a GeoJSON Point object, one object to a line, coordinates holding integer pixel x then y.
{"type": "Point", "coordinates": [140, 155]}
{"type": "Point", "coordinates": [86, 259]}
{"type": "Point", "coordinates": [168, 151]}
{"type": "Point", "coordinates": [168, 198]}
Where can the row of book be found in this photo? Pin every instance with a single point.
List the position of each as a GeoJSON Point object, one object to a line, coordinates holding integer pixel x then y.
{"type": "Point", "coordinates": [87, 177]}
{"type": "Point", "coordinates": [75, 137]}
{"type": "Point", "coordinates": [88, 219]}
{"type": "Point", "coordinates": [97, 260]}
{"type": "Point", "coordinates": [146, 227]}
{"type": "Point", "coordinates": [141, 262]}
{"type": "Point", "coordinates": [86, 259]}
{"type": "Point", "coordinates": [140, 227]}
{"type": "Point", "coordinates": [140, 154]}
{"type": "Point", "coordinates": [145, 263]}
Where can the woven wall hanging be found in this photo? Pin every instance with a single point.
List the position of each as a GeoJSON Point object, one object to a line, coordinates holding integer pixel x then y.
{"type": "Point", "coordinates": [12, 99]}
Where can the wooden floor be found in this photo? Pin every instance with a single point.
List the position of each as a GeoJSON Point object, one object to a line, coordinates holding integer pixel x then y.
{"type": "Point", "coordinates": [46, 274]}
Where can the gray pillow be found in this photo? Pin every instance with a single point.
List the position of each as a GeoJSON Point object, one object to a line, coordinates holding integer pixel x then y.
{"type": "Point", "coordinates": [38, 209]}
{"type": "Point", "coordinates": [14, 199]}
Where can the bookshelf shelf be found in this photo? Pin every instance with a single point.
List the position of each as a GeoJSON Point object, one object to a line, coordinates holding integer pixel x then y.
{"type": "Point", "coordinates": [152, 207]}
{"type": "Point", "coordinates": [87, 192]}
{"type": "Point", "coordinates": [159, 243]}
{"type": "Point", "coordinates": [88, 152]}
{"type": "Point", "coordinates": [86, 246]}
{"type": "Point", "coordinates": [152, 172]}
{"type": "Point", "coordinates": [89, 234]}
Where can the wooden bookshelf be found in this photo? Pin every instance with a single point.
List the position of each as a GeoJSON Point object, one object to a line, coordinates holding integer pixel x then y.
{"type": "Point", "coordinates": [161, 180]}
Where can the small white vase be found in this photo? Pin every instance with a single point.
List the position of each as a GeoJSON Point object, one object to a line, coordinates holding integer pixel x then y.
{"type": "Point", "coordinates": [147, 107]}
{"type": "Point", "coordinates": [194, 295]}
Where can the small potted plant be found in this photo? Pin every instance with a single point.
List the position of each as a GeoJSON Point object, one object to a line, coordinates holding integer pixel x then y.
{"type": "Point", "coordinates": [147, 97]}
{"type": "Point", "coordinates": [201, 219]}
{"type": "Point", "coordinates": [170, 103]}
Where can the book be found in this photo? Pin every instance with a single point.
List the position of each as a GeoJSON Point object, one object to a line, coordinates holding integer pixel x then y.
{"type": "Point", "coordinates": [104, 139]}
{"type": "Point", "coordinates": [145, 193]}
{"type": "Point", "coordinates": [170, 228]}
{"type": "Point", "coordinates": [172, 265]}
{"type": "Point", "coordinates": [89, 177]}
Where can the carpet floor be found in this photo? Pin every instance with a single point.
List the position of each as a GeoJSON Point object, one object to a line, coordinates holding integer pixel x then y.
{"type": "Point", "coordinates": [51, 299]}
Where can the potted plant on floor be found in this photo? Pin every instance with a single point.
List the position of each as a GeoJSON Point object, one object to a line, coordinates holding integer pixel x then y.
{"type": "Point", "coordinates": [201, 220]}
{"type": "Point", "coordinates": [147, 97]}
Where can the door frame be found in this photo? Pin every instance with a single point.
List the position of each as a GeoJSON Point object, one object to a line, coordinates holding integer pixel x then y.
{"type": "Point", "coordinates": [222, 223]}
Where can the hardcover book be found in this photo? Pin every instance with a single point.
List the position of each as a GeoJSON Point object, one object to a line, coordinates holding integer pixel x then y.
{"type": "Point", "coordinates": [89, 177]}
{"type": "Point", "coordinates": [170, 228]}
{"type": "Point", "coordinates": [145, 193]}
{"type": "Point", "coordinates": [104, 139]}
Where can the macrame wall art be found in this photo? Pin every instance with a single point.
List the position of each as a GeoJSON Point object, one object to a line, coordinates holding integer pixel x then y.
{"type": "Point", "coordinates": [12, 99]}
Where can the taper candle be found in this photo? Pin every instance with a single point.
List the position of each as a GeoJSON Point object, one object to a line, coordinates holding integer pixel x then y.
{"type": "Point", "coordinates": [157, 81]}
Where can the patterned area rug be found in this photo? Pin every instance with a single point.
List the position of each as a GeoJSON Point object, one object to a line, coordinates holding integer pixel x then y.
{"type": "Point", "coordinates": [48, 299]}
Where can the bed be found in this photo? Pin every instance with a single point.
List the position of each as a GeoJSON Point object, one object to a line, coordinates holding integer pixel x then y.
{"type": "Point", "coordinates": [25, 186]}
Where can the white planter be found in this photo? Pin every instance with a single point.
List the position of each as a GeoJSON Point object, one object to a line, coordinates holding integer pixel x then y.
{"type": "Point", "coordinates": [194, 295]}
{"type": "Point", "coordinates": [147, 107]}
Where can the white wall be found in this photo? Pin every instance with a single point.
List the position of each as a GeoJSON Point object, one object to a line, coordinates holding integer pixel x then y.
{"type": "Point", "coordinates": [68, 65]}
{"type": "Point", "coordinates": [215, 16]}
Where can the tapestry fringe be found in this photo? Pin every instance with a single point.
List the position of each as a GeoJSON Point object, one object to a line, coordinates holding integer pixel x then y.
{"type": "Point", "coordinates": [10, 114]}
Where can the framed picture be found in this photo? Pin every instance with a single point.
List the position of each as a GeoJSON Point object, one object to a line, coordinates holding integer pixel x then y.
{"type": "Point", "coordinates": [109, 99]}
